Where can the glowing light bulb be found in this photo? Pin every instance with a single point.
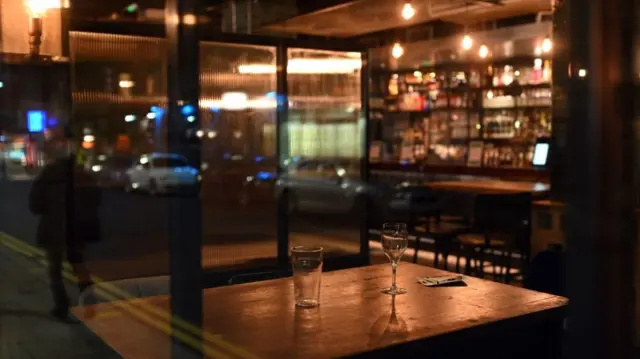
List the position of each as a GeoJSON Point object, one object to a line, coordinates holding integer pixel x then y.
{"type": "Point", "coordinates": [547, 45]}
{"type": "Point", "coordinates": [582, 72]}
{"type": "Point", "coordinates": [38, 8]}
{"type": "Point", "coordinates": [417, 74]}
{"type": "Point", "coordinates": [397, 51]}
{"type": "Point", "coordinates": [467, 42]}
{"type": "Point", "coordinates": [489, 94]}
{"type": "Point", "coordinates": [408, 11]}
{"type": "Point", "coordinates": [483, 52]}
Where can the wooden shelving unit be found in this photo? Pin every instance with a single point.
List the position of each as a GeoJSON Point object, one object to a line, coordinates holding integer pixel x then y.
{"type": "Point", "coordinates": [505, 104]}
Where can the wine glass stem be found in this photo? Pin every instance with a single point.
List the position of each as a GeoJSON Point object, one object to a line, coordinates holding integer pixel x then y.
{"type": "Point", "coordinates": [394, 267]}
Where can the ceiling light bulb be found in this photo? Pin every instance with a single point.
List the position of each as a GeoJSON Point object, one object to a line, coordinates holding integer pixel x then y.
{"type": "Point", "coordinates": [483, 52]}
{"type": "Point", "coordinates": [408, 11]}
{"type": "Point", "coordinates": [467, 42]}
{"type": "Point", "coordinates": [397, 51]}
{"type": "Point", "coordinates": [547, 45]}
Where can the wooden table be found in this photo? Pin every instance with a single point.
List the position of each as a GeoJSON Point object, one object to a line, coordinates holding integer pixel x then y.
{"type": "Point", "coordinates": [490, 186]}
{"type": "Point", "coordinates": [259, 320]}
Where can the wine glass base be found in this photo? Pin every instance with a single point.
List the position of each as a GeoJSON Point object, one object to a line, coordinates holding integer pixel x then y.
{"type": "Point", "coordinates": [394, 291]}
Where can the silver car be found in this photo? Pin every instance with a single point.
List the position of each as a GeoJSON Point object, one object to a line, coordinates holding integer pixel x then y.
{"type": "Point", "coordinates": [316, 186]}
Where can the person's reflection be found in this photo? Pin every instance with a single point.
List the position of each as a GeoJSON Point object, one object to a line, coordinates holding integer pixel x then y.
{"type": "Point", "coordinates": [67, 199]}
{"type": "Point", "coordinates": [389, 327]}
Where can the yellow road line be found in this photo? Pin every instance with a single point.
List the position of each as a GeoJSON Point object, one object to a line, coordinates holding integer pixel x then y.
{"type": "Point", "coordinates": [29, 250]}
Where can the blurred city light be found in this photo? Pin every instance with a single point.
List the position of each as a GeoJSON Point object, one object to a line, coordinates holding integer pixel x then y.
{"type": "Point", "coordinates": [129, 118]}
{"type": "Point", "coordinates": [36, 120]}
{"type": "Point", "coordinates": [187, 110]}
{"type": "Point", "coordinates": [234, 101]}
{"type": "Point", "coordinates": [307, 66]}
{"type": "Point", "coordinates": [189, 19]}
{"type": "Point", "coordinates": [131, 8]}
{"type": "Point", "coordinates": [126, 84]}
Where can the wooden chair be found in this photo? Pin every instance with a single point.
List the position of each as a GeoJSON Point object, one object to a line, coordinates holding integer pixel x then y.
{"type": "Point", "coordinates": [444, 230]}
{"type": "Point", "coordinates": [420, 207]}
{"type": "Point", "coordinates": [501, 223]}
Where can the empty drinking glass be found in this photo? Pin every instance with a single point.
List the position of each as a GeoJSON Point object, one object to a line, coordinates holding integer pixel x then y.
{"type": "Point", "coordinates": [307, 273]}
{"type": "Point", "coordinates": [394, 242]}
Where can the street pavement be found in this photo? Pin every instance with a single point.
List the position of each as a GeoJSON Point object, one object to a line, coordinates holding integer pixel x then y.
{"type": "Point", "coordinates": [27, 331]}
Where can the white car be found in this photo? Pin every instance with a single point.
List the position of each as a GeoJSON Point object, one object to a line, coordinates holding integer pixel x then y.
{"type": "Point", "coordinates": [162, 173]}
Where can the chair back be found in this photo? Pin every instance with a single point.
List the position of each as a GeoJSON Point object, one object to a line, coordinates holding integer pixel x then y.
{"type": "Point", "coordinates": [505, 215]}
{"type": "Point", "coordinates": [412, 203]}
{"type": "Point", "coordinates": [260, 276]}
{"type": "Point", "coordinates": [546, 272]}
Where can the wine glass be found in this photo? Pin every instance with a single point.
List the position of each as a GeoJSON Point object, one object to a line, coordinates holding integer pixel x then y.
{"type": "Point", "coordinates": [394, 243]}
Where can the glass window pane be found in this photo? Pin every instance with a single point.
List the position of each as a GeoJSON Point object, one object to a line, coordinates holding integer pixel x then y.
{"type": "Point", "coordinates": [238, 111]}
{"type": "Point", "coordinates": [325, 129]}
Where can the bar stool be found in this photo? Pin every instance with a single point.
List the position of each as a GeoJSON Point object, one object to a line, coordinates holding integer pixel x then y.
{"type": "Point", "coordinates": [420, 208]}
{"type": "Point", "coordinates": [502, 223]}
{"type": "Point", "coordinates": [415, 205]}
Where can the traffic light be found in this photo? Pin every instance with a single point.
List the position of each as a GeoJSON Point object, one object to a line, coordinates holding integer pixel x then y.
{"type": "Point", "coordinates": [131, 10]}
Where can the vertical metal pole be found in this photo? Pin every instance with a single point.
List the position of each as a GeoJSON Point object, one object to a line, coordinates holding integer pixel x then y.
{"type": "Point", "coordinates": [366, 219]}
{"type": "Point", "coordinates": [282, 149]}
{"type": "Point", "coordinates": [185, 226]}
{"type": "Point", "coordinates": [599, 182]}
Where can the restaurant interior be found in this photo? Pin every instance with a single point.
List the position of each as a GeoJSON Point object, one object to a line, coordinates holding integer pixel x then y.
{"type": "Point", "coordinates": [337, 141]}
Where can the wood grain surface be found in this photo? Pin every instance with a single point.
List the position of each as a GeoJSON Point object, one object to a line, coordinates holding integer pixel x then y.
{"type": "Point", "coordinates": [259, 320]}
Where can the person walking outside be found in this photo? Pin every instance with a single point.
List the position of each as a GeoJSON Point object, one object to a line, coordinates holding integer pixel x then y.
{"type": "Point", "coordinates": [66, 198]}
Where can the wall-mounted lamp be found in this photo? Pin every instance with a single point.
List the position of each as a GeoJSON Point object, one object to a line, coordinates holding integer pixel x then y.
{"type": "Point", "coordinates": [37, 9]}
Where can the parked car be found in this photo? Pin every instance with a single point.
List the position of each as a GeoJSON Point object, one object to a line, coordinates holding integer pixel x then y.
{"type": "Point", "coordinates": [318, 186]}
{"type": "Point", "coordinates": [328, 187]}
{"type": "Point", "coordinates": [111, 171]}
{"type": "Point", "coordinates": [258, 187]}
{"type": "Point", "coordinates": [163, 173]}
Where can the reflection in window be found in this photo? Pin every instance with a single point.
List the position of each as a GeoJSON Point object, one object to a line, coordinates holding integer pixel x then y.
{"type": "Point", "coordinates": [325, 129]}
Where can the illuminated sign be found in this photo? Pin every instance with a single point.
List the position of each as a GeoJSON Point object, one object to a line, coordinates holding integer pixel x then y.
{"type": "Point", "coordinates": [36, 120]}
